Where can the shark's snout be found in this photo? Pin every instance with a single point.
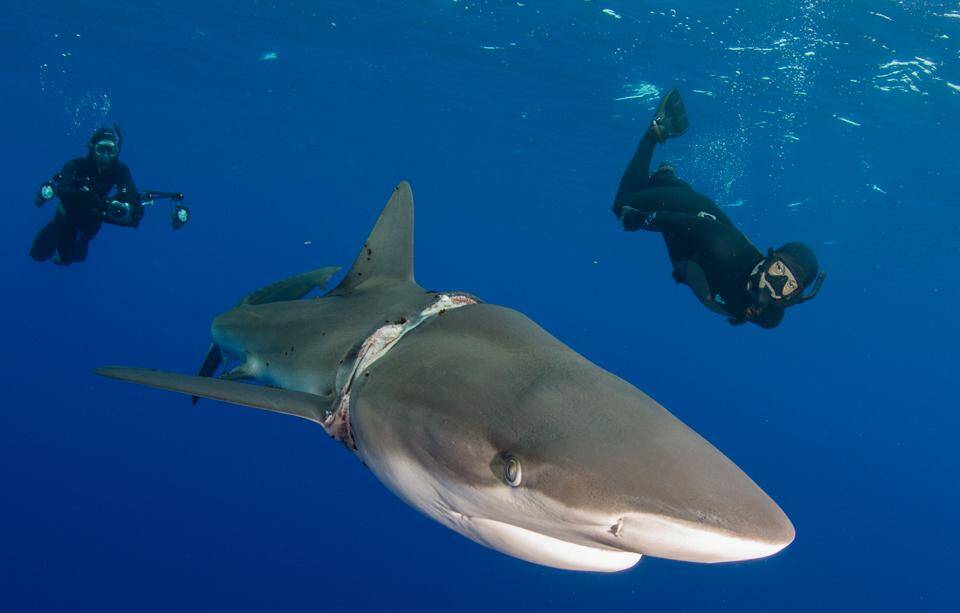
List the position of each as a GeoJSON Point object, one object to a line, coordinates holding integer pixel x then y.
{"type": "Point", "coordinates": [659, 488]}
{"type": "Point", "coordinates": [706, 541]}
{"type": "Point", "coordinates": [684, 500]}
{"type": "Point", "coordinates": [671, 507]}
{"type": "Point", "coordinates": [673, 495]}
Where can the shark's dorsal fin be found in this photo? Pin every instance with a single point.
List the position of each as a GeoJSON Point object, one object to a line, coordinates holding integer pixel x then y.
{"type": "Point", "coordinates": [387, 255]}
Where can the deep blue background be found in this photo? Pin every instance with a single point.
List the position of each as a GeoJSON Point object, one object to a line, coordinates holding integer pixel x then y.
{"type": "Point", "coordinates": [504, 117]}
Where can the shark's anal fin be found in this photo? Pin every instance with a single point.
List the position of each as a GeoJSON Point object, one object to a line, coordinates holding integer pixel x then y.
{"type": "Point", "coordinates": [387, 255]}
{"type": "Point", "coordinates": [301, 404]}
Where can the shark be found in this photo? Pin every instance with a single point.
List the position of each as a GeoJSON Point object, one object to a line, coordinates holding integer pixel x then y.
{"type": "Point", "coordinates": [479, 418]}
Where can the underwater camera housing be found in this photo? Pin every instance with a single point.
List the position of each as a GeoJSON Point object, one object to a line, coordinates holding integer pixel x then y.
{"type": "Point", "coordinates": [118, 213]}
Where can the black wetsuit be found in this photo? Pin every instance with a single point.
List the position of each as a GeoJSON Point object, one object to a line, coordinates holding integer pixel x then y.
{"type": "Point", "coordinates": [83, 192]}
{"type": "Point", "coordinates": [708, 253]}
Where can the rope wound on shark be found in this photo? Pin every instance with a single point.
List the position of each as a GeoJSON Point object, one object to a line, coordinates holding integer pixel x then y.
{"type": "Point", "coordinates": [477, 417]}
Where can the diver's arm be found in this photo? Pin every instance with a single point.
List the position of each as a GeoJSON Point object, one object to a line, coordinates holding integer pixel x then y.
{"type": "Point", "coordinates": [126, 189]}
{"type": "Point", "coordinates": [69, 191]}
{"type": "Point", "coordinates": [668, 221]}
{"type": "Point", "coordinates": [627, 205]}
{"type": "Point", "coordinates": [767, 318]}
{"type": "Point", "coordinates": [127, 192]}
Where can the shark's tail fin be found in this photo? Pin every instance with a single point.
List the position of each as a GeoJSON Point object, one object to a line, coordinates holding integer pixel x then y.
{"type": "Point", "coordinates": [291, 288]}
{"type": "Point", "coordinates": [301, 404]}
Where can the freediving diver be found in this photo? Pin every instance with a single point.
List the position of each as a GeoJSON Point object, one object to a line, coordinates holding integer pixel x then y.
{"type": "Point", "coordinates": [84, 187]}
{"type": "Point", "coordinates": [709, 254]}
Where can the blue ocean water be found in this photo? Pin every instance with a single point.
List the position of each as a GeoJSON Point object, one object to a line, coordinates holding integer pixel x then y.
{"type": "Point", "coordinates": [288, 124]}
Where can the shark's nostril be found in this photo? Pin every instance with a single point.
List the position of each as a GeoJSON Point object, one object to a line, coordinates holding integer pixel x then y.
{"type": "Point", "coordinates": [617, 528]}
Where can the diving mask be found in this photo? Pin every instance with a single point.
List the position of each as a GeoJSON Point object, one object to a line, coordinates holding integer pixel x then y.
{"type": "Point", "coordinates": [105, 148]}
{"type": "Point", "coordinates": [778, 280]}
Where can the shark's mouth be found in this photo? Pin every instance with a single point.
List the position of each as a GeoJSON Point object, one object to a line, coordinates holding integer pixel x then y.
{"type": "Point", "coordinates": [541, 548]}
{"type": "Point", "coordinates": [374, 347]}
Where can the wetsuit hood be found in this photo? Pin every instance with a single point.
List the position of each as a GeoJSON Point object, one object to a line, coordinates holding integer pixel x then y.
{"type": "Point", "coordinates": [666, 176]}
{"type": "Point", "coordinates": [666, 170]}
{"type": "Point", "coordinates": [105, 134]}
{"type": "Point", "coordinates": [801, 260]}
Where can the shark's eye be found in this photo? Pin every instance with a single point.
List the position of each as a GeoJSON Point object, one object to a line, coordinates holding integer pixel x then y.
{"type": "Point", "coordinates": [512, 472]}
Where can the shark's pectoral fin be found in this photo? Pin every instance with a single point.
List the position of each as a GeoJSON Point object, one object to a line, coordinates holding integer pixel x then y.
{"type": "Point", "coordinates": [292, 288]}
{"type": "Point", "coordinates": [301, 404]}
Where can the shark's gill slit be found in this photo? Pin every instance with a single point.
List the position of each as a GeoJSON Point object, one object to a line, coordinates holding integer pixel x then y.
{"type": "Point", "coordinates": [374, 347]}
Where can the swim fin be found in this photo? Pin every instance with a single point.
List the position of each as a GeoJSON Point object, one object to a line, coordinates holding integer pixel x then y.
{"type": "Point", "coordinates": [670, 120]}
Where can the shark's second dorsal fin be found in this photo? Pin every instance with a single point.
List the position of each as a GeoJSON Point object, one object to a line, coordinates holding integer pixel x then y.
{"type": "Point", "coordinates": [387, 255]}
{"type": "Point", "coordinates": [292, 288]}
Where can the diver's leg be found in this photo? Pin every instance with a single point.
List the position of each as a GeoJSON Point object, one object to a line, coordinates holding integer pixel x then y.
{"type": "Point", "coordinates": [84, 236]}
{"type": "Point", "coordinates": [67, 247]}
{"type": "Point", "coordinates": [80, 247]}
{"type": "Point", "coordinates": [45, 244]}
{"type": "Point", "coordinates": [637, 174]}
{"type": "Point", "coordinates": [679, 247]}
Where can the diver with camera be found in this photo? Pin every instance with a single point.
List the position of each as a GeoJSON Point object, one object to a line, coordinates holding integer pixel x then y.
{"type": "Point", "coordinates": [94, 190]}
